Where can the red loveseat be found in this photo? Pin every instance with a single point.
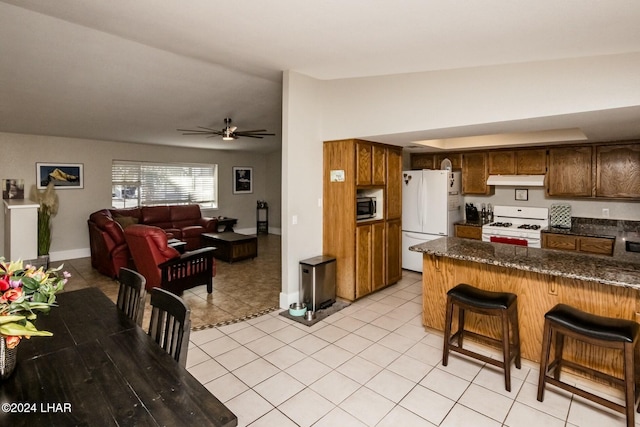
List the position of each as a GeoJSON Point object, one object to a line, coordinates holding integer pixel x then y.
{"type": "Point", "coordinates": [109, 249]}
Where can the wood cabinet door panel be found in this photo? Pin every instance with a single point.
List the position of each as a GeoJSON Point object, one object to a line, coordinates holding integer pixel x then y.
{"type": "Point", "coordinates": [393, 197]}
{"type": "Point", "coordinates": [363, 260]}
{"type": "Point", "coordinates": [569, 172]}
{"type": "Point", "coordinates": [474, 173]}
{"type": "Point", "coordinates": [363, 164]}
{"type": "Point", "coordinates": [394, 251]}
{"type": "Point", "coordinates": [596, 245]}
{"type": "Point", "coordinates": [531, 162]}
{"type": "Point", "coordinates": [618, 171]}
{"type": "Point", "coordinates": [379, 167]}
{"type": "Point", "coordinates": [454, 158]}
{"type": "Point", "coordinates": [421, 161]}
{"type": "Point", "coordinates": [469, 232]}
{"type": "Point", "coordinates": [378, 277]}
{"type": "Point", "coordinates": [561, 241]}
{"type": "Point", "coordinates": [502, 162]}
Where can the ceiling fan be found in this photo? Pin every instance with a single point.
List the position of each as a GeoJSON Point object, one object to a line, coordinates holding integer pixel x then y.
{"type": "Point", "coordinates": [228, 133]}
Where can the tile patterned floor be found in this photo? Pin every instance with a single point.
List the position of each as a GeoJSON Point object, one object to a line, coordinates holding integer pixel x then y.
{"type": "Point", "coordinates": [241, 289]}
{"type": "Point", "coordinates": [372, 364]}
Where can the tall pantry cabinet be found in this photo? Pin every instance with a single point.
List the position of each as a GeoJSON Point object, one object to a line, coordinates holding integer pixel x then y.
{"type": "Point", "coordinates": [368, 253]}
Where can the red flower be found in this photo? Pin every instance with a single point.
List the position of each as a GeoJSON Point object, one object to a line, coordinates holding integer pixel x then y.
{"type": "Point", "coordinates": [4, 284]}
{"type": "Point", "coordinates": [12, 341]}
{"type": "Point", "coordinates": [11, 295]}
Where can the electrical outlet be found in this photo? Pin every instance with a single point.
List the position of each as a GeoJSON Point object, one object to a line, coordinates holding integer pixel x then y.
{"type": "Point", "coordinates": [294, 219]}
{"type": "Point", "coordinates": [605, 212]}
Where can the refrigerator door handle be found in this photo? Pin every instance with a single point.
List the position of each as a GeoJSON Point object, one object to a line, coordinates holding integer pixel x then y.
{"type": "Point", "coordinates": [420, 201]}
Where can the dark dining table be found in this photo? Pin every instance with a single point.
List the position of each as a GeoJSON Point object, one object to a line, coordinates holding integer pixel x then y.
{"type": "Point", "coordinates": [100, 369]}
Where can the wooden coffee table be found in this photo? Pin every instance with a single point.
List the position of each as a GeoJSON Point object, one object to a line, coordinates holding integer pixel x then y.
{"type": "Point", "coordinates": [231, 247]}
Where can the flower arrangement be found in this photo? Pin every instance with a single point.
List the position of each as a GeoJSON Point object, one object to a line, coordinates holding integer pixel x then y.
{"type": "Point", "coordinates": [25, 290]}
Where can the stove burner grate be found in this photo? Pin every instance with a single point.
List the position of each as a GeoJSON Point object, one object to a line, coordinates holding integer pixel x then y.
{"type": "Point", "coordinates": [500, 224]}
{"type": "Point", "coordinates": [530, 226]}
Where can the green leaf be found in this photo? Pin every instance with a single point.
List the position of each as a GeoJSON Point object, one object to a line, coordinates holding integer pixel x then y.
{"type": "Point", "coordinates": [16, 329]}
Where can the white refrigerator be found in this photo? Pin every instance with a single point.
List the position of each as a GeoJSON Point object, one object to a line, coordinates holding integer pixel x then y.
{"type": "Point", "coordinates": [431, 205]}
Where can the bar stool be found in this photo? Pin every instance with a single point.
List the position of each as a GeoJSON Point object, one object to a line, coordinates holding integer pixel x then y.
{"type": "Point", "coordinates": [501, 304]}
{"type": "Point", "coordinates": [563, 320]}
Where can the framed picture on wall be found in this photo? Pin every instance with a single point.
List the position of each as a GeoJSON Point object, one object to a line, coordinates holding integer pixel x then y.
{"type": "Point", "coordinates": [242, 180]}
{"type": "Point", "coordinates": [522, 194]}
{"type": "Point", "coordinates": [63, 175]}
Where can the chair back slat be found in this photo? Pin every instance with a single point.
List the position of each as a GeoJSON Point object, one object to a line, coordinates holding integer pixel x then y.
{"type": "Point", "coordinates": [170, 324]}
{"type": "Point", "coordinates": [132, 294]}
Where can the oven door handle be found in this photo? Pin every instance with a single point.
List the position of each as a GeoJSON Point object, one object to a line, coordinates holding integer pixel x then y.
{"type": "Point", "coordinates": [509, 240]}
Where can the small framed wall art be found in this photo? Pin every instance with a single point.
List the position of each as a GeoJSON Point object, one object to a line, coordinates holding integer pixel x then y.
{"type": "Point", "coordinates": [63, 175]}
{"type": "Point", "coordinates": [522, 194]}
{"type": "Point", "coordinates": [242, 180]}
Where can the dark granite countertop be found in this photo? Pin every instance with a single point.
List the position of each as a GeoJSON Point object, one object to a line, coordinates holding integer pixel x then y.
{"type": "Point", "coordinates": [618, 270]}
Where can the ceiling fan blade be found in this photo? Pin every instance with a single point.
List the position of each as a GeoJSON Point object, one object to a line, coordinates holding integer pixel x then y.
{"type": "Point", "coordinates": [251, 136]}
{"type": "Point", "coordinates": [252, 131]}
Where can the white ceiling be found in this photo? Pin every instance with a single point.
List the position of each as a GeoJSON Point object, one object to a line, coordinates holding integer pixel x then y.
{"type": "Point", "coordinates": [137, 70]}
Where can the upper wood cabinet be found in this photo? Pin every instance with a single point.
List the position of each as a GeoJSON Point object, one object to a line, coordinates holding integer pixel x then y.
{"type": "Point", "coordinates": [370, 164]}
{"type": "Point", "coordinates": [520, 162]}
{"type": "Point", "coordinates": [531, 162]}
{"type": "Point", "coordinates": [422, 161]}
{"type": "Point", "coordinates": [475, 173]}
{"type": "Point", "coordinates": [502, 162]}
{"type": "Point", "coordinates": [569, 172]}
{"type": "Point", "coordinates": [454, 158]}
{"type": "Point", "coordinates": [618, 171]}
{"type": "Point", "coordinates": [393, 200]}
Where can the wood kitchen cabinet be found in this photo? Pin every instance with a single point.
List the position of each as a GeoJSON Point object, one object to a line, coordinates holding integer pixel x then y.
{"type": "Point", "coordinates": [370, 261]}
{"type": "Point", "coordinates": [518, 162]}
{"type": "Point", "coordinates": [454, 158]}
{"type": "Point", "coordinates": [422, 161]}
{"type": "Point", "coordinates": [368, 253]}
{"type": "Point", "coordinates": [394, 251]}
{"type": "Point", "coordinates": [618, 171]}
{"type": "Point", "coordinates": [371, 164]}
{"type": "Point", "coordinates": [393, 201]}
{"type": "Point", "coordinates": [569, 172]}
{"type": "Point", "coordinates": [475, 173]}
{"type": "Point", "coordinates": [571, 242]}
{"type": "Point", "coordinates": [468, 232]}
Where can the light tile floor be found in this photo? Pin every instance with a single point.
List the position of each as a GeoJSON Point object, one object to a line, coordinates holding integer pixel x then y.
{"type": "Point", "coordinates": [372, 364]}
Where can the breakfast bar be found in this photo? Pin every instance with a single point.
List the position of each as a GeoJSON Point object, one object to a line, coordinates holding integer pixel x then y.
{"type": "Point", "coordinates": [541, 278]}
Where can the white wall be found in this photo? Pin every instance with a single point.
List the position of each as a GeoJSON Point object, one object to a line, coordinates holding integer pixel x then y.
{"type": "Point", "coordinates": [70, 236]}
{"type": "Point", "coordinates": [301, 178]}
{"type": "Point", "coordinates": [316, 111]}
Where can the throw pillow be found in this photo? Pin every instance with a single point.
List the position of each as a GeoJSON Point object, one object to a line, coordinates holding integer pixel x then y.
{"type": "Point", "coordinates": [125, 221]}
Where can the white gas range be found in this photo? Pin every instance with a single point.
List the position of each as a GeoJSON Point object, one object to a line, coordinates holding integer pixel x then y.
{"type": "Point", "coordinates": [516, 225]}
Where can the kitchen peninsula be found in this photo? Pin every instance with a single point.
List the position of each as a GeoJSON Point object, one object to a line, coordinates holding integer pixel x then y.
{"type": "Point", "coordinates": [542, 278]}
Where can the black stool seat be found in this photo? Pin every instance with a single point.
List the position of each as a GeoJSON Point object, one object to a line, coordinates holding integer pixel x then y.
{"type": "Point", "coordinates": [619, 334]}
{"type": "Point", "coordinates": [503, 305]}
{"type": "Point", "coordinates": [594, 326]}
{"type": "Point", "coordinates": [481, 298]}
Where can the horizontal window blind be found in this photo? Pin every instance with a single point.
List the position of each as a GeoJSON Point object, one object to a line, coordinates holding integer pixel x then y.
{"type": "Point", "coordinates": [164, 183]}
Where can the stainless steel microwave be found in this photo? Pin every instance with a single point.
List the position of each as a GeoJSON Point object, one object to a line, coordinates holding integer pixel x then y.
{"type": "Point", "coordinates": [365, 207]}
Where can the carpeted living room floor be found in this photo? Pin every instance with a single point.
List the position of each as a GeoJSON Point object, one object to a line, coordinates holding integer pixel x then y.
{"type": "Point", "coordinates": [241, 290]}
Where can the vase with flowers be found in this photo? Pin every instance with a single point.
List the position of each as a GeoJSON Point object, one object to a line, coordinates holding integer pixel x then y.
{"type": "Point", "coordinates": [25, 291]}
{"type": "Point", "coordinates": [48, 201]}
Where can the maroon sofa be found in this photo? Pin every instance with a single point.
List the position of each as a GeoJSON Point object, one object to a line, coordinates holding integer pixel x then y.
{"type": "Point", "coordinates": [109, 250]}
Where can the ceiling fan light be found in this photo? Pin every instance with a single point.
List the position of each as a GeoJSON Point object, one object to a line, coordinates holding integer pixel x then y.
{"type": "Point", "coordinates": [227, 138]}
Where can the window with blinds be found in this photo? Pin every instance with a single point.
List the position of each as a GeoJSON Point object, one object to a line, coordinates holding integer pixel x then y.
{"type": "Point", "coordinates": [147, 184]}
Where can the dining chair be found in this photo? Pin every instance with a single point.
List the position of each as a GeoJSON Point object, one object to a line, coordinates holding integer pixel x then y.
{"type": "Point", "coordinates": [132, 294]}
{"type": "Point", "coordinates": [170, 324]}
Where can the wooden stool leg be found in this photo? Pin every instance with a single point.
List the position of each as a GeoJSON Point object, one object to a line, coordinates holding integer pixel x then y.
{"type": "Point", "coordinates": [544, 359]}
{"type": "Point", "coordinates": [460, 325]}
{"type": "Point", "coordinates": [506, 349]}
{"type": "Point", "coordinates": [629, 383]}
{"type": "Point", "coordinates": [516, 335]}
{"type": "Point", "coordinates": [448, 319]}
{"type": "Point", "coordinates": [559, 349]}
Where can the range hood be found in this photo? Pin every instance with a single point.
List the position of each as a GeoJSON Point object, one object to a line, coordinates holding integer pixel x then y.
{"type": "Point", "coordinates": [517, 180]}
